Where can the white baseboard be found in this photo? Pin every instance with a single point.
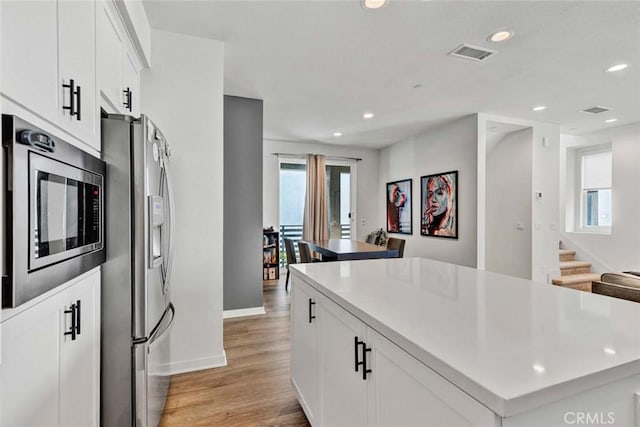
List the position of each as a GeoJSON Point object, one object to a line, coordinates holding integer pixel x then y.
{"type": "Point", "coordinates": [192, 365]}
{"type": "Point", "coordinates": [241, 312]}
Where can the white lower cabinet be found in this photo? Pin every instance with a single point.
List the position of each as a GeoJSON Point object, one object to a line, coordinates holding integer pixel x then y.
{"type": "Point", "coordinates": [304, 348]}
{"type": "Point", "coordinates": [51, 377]}
{"type": "Point", "coordinates": [360, 378]}
{"type": "Point", "coordinates": [343, 391]}
{"type": "Point", "coordinates": [404, 392]}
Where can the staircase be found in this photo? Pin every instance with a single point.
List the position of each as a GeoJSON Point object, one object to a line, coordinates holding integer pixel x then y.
{"type": "Point", "coordinates": [574, 274]}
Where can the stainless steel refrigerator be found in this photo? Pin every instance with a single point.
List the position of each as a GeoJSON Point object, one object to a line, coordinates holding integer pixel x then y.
{"type": "Point", "coordinates": [137, 313]}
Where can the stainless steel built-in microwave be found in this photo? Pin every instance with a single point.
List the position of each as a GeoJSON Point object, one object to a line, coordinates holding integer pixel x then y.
{"type": "Point", "coordinates": [54, 211]}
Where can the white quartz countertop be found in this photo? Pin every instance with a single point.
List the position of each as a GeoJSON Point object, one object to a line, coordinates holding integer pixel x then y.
{"type": "Point", "coordinates": [510, 343]}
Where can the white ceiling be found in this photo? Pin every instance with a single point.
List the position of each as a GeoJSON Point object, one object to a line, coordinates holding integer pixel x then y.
{"type": "Point", "coordinates": [319, 65]}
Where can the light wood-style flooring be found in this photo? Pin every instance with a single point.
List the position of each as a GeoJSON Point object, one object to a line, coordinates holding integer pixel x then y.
{"type": "Point", "coordinates": [254, 388]}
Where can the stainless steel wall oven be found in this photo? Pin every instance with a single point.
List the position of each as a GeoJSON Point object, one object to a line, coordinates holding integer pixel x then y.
{"type": "Point", "coordinates": [54, 211]}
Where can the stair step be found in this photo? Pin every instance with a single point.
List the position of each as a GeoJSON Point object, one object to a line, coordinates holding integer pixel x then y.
{"type": "Point", "coordinates": [567, 255]}
{"type": "Point", "coordinates": [574, 267]}
{"type": "Point", "coordinates": [574, 264]}
{"type": "Point", "coordinates": [574, 279]}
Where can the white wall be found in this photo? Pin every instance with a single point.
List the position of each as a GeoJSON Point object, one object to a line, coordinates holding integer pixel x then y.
{"type": "Point", "coordinates": [183, 95]}
{"type": "Point", "coordinates": [619, 250]}
{"type": "Point", "coordinates": [509, 175]}
{"type": "Point", "coordinates": [545, 210]}
{"type": "Point", "coordinates": [446, 148]}
{"type": "Point", "coordinates": [366, 185]}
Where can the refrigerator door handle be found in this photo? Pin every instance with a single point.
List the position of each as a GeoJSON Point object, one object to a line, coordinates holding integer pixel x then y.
{"type": "Point", "coordinates": [172, 228]}
{"type": "Point", "coordinates": [164, 325]}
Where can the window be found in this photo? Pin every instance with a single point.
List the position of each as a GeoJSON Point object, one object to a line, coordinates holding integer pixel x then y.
{"type": "Point", "coordinates": [595, 189]}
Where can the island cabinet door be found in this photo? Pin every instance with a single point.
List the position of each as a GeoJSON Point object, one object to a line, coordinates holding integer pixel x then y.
{"type": "Point", "coordinates": [404, 392]}
{"type": "Point", "coordinates": [304, 346]}
{"type": "Point", "coordinates": [343, 387]}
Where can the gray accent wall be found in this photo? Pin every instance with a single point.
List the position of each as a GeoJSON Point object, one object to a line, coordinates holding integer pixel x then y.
{"type": "Point", "coordinates": [242, 242]}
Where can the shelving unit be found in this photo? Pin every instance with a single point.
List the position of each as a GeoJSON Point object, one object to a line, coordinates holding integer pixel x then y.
{"type": "Point", "coordinates": [270, 255]}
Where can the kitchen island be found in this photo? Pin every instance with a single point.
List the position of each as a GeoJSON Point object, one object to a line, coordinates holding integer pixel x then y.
{"type": "Point", "coordinates": [403, 342]}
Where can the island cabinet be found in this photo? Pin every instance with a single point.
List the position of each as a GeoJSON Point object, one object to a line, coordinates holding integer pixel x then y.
{"type": "Point", "coordinates": [347, 374]}
{"type": "Point", "coordinates": [417, 342]}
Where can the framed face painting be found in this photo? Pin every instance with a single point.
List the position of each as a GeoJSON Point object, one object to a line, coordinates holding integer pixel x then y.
{"type": "Point", "coordinates": [439, 205]}
{"type": "Point", "coordinates": [399, 207]}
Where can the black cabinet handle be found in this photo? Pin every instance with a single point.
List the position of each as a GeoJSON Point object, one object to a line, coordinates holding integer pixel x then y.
{"type": "Point", "coordinates": [72, 91]}
{"type": "Point", "coordinates": [311, 316]}
{"type": "Point", "coordinates": [127, 99]}
{"type": "Point", "coordinates": [356, 345]}
{"type": "Point", "coordinates": [78, 317]}
{"type": "Point", "coordinates": [72, 331]}
{"type": "Point", "coordinates": [75, 99]}
{"type": "Point", "coordinates": [78, 103]}
{"type": "Point", "coordinates": [365, 370]}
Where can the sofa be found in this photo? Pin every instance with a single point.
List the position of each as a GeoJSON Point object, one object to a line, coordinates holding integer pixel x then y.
{"type": "Point", "coordinates": [619, 285]}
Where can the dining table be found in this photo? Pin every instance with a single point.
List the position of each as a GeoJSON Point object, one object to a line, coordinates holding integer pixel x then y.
{"type": "Point", "coordinates": [346, 249]}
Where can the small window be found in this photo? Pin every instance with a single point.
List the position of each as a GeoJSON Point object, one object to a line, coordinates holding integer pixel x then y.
{"type": "Point", "coordinates": [595, 189]}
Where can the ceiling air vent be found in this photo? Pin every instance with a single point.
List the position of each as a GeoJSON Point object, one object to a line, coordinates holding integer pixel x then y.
{"type": "Point", "coordinates": [474, 53]}
{"type": "Point", "coordinates": [596, 110]}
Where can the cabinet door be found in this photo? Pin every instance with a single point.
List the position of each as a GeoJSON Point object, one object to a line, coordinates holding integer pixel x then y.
{"type": "Point", "coordinates": [131, 81]}
{"type": "Point", "coordinates": [304, 346]}
{"type": "Point", "coordinates": [76, 53]}
{"type": "Point", "coordinates": [109, 59]}
{"type": "Point", "coordinates": [404, 392]}
{"type": "Point", "coordinates": [30, 365]}
{"type": "Point", "coordinates": [28, 45]}
{"type": "Point", "coordinates": [80, 358]}
{"type": "Point", "coordinates": [343, 392]}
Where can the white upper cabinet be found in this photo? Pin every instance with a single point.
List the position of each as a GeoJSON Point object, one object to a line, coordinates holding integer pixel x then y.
{"type": "Point", "coordinates": [118, 67]}
{"type": "Point", "coordinates": [110, 51]}
{"type": "Point", "coordinates": [29, 49]}
{"type": "Point", "coordinates": [131, 84]}
{"type": "Point", "coordinates": [46, 45]}
{"type": "Point", "coordinates": [76, 35]}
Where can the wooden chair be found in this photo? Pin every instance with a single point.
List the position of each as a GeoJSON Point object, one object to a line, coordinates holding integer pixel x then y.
{"type": "Point", "coordinates": [305, 253]}
{"type": "Point", "coordinates": [291, 258]}
{"type": "Point", "coordinates": [394, 243]}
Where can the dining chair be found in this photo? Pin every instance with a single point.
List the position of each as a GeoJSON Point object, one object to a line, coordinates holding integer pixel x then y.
{"type": "Point", "coordinates": [305, 253]}
{"type": "Point", "coordinates": [291, 259]}
{"type": "Point", "coordinates": [394, 243]}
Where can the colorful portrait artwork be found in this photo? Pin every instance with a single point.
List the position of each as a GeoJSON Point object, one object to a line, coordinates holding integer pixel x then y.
{"type": "Point", "coordinates": [439, 205]}
{"type": "Point", "coordinates": [399, 207]}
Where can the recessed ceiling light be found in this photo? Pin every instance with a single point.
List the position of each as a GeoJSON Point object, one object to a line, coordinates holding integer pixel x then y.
{"type": "Point", "coordinates": [500, 36]}
{"type": "Point", "coordinates": [611, 120]}
{"type": "Point", "coordinates": [609, 351]}
{"type": "Point", "coordinates": [616, 67]}
{"type": "Point", "coordinates": [367, 116]}
{"type": "Point", "coordinates": [337, 134]}
{"type": "Point", "coordinates": [538, 368]}
{"type": "Point", "coordinates": [539, 108]}
{"type": "Point", "coordinates": [374, 4]}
